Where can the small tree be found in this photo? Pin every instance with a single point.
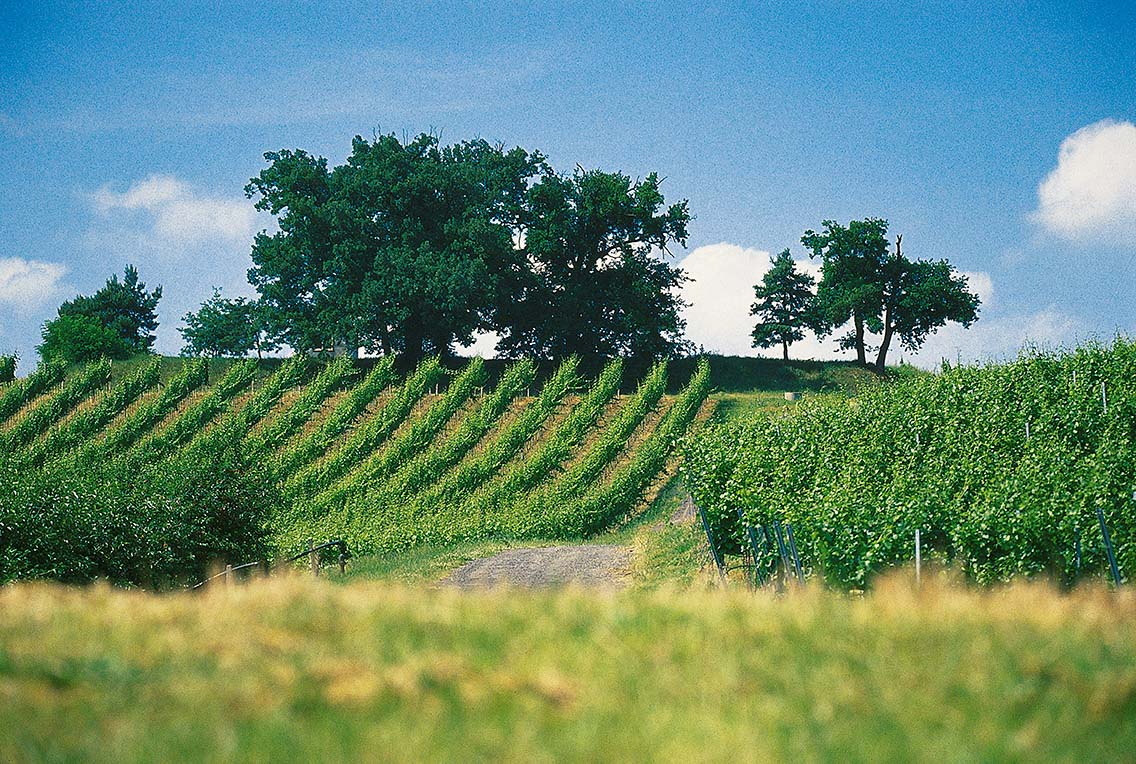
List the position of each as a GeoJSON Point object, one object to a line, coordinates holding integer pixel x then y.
{"type": "Point", "coordinates": [8, 367]}
{"type": "Point", "coordinates": [784, 304]}
{"type": "Point", "coordinates": [851, 285]}
{"type": "Point", "coordinates": [224, 327]}
{"type": "Point", "coordinates": [124, 307]}
{"type": "Point", "coordinates": [75, 339]}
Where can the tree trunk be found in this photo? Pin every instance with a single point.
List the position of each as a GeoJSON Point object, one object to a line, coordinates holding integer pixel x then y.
{"type": "Point", "coordinates": [861, 355]}
{"type": "Point", "coordinates": [881, 356]}
{"type": "Point", "coordinates": [785, 349]}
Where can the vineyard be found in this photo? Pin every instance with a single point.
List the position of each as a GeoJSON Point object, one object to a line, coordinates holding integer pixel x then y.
{"type": "Point", "coordinates": [141, 479]}
{"type": "Point", "coordinates": [1004, 470]}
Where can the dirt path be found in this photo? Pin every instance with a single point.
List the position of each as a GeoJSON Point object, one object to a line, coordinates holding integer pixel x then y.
{"type": "Point", "coordinates": [598, 566]}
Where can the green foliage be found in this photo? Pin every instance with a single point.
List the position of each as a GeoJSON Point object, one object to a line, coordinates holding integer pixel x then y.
{"type": "Point", "coordinates": [147, 414]}
{"type": "Point", "coordinates": [1002, 468]}
{"type": "Point", "coordinates": [422, 472]}
{"type": "Point", "coordinates": [195, 416]}
{"type": "Point", "coordinates": [236, 423]}
{"type": "Point", "coordinates": [287, 423]}
{"type": "Point", "coordinates": [309, 480]}
{"type": "Point", "coordinates": [415, 440]}
{"type": "Point", "coordinates": [881, 291]}
{"type": "Point", "coordinates": [61, 440]}
{"type": "Point", "coordinates": [603, 505]}
{"type": "Point", "coordinates": [401, 248]}
{"type": "Point", "coordinates": [15, 395]}
{"type": "Point", "coordinates": [74, 339]}
{"type": "Point", "coordinates": [124, 307]}
{"type": "Point", "coordinates": [543, 511]}
{"type": "Point", "coordinates": [472, 473]}
{"type": "Point", "coordinates": [222, 327]}
{"type": "Point", "coordinates": [562, 439]}
{"type": "Point", "coordinates": [593, 285]}
{"type": "Point", "coordinates": [147, 486]}
{"type": "Point", "coordinates": [7, 368]}
{"type": "Point", "coordinates": [784, 304]}
{"type": "Point", "coordinates": [152, 525]}
{"type": "Point", "coordinates": [43, 414]}
{"type": "Point", "coordinates": [301, 452]}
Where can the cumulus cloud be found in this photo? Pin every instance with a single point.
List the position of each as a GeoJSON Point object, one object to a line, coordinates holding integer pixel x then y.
{"type": "Point", "coordinates": [1000, 337]}
{"type": "Point", "coordinates": [720, 294]}
{"type": "Point", "coordinates": [28, 284]}
{"type": "Point", "coordinates": [1090, 197]}
{"type": "Point", "coordinates": [175, 215]}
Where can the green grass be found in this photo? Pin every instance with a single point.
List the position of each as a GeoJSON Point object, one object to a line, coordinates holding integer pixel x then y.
{"type": "Point", "coordinates": [293, 669]}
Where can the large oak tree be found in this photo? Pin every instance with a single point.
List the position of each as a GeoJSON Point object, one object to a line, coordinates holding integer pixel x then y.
{"type": "Point", "coordinates": [401, 249]}
{"type": "Point", "coordinates": [594, 281]}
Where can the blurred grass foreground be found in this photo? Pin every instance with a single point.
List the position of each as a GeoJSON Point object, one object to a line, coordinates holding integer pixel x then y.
{"type": "Point", "coordinates": [291, 669]}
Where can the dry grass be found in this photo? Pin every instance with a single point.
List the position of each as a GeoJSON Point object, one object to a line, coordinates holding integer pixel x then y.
{"type": "Point", "coordinates": [293, 669]}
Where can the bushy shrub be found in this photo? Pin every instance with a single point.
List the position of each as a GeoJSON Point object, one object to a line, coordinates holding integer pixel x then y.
{"type": "Point", "coordinates": [158, 527]}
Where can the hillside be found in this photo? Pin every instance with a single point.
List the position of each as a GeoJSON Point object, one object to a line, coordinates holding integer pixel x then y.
{"type": "Point", "coordinates": [384, 460]}
{"type": "Point", "coordinates": [1022, 468]}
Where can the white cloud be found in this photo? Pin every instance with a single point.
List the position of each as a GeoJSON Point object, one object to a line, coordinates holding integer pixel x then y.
{"type": "Point", "coordinates": [28, 284]}
{"type": "Point", "coordinates": [1090, 197]}
{"type": "Point", "coordinates": [721, 293]}
{"type": "Point", "coordinates": [173, 215]}
{"type": "Point", "coordinates": [999, 338]}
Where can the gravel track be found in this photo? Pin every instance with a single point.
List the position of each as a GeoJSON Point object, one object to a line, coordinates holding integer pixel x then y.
{"type": "Point", "coordinates": [595, 566]}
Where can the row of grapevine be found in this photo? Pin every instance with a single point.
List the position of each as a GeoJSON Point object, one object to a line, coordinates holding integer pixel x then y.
{"type": "Point", "coordinates": [386, 465]}
{"type": "Point", "coordinates": [476, 512]}
{"type": "Point", "coordinates": [239, 421]}
{"type": "Point", "coordinates": [1004, 469]}
{"type": "Point", "coordinates": [421, 433]}
{"type": "Point", "coordinates": [14, 395]}
{"type": "Point", "coordinates": [526, 475]}
{"type": "Point", "coordinates": [308, 447]}
{"type": "Point", "coordinates": [528, 512]}
{"type": "Point", "coordinates": [608, 502]}
{"type": "Point", "coordinates": [424, 470]}
{"type": "Point", "coordinates": [148, 413]}
{"type": "Point", "coordinates": [85, 424]}
{"type": "Point", "coordinates": [364, 439]}
{"type": "Point", "coordinates": [35, 419]}
{"type": "Point", "coordinates": [386, 520]}
{"type": "Point", "coordinates": [189, 422]}
{"type": "Point", "coordinates": [288, 422]}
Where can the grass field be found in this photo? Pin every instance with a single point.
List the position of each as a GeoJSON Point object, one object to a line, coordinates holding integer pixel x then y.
{"type": "Point", "coordinates": [295, 669]}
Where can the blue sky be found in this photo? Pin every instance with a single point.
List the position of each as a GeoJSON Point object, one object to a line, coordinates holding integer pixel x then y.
{"type": "Point", "coordinates": [996, 135]}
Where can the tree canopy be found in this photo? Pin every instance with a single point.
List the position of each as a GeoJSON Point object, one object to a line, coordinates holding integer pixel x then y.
{"type": "Point", "coordinates": [401, 249]}
{"type": "Point", "coordinates": [882, 291]}
{"type": "Point", "coordinates": [117, 321]}
{"type": "Point", "coordinates": [411, 247]}
{"type": "Point", "coordinates": [783, 306]}
{"type": "Point", "coordinates": [78, 338]}
{"type": "Point", "coordinates": [124, 307]}
{"type": "Point", "coordinates": [594, 283]}
{"type": "Point", "coordinates": [225, 327]}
